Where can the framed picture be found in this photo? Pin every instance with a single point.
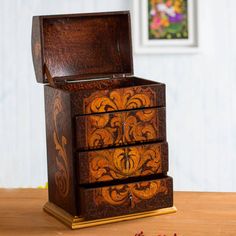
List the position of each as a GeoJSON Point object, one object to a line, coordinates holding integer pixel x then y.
{"type": "Point", "coordinates": [165, 26]}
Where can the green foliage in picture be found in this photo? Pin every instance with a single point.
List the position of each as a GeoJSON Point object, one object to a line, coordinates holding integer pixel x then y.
{"type": "Point", "coordinates": [168, 19]}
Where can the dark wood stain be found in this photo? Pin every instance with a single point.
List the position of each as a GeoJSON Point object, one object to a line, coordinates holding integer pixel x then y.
{"type": "Point", "coordinates": [122, 163]}
{"type": "Point", "coordinates": [83, 46]}
{"type": "Point", "coordinates": [130, 198]}
{"type": "Point", "coordinates": [106, 129]}
{"type": "Point", "coordinates": [120, 128]}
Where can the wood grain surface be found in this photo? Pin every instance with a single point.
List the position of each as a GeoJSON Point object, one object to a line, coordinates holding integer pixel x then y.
{"type": "Point", "coordinates": [120, 128]}
{"type": "Point", "coordinates": [114, 94]}
{"type": "Point", "coordinates": [123, 199]}
{"type": "Point", "coordinates": [199, 214]}
{"type": "Point", "coordinates": [122, 163]}
{"type": "Point", "coordinates": [72, 44]}
{"type": "Point", "coordinates": [61, 180]}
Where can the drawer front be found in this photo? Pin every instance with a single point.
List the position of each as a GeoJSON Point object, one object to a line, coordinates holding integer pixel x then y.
{"type": "Point", "coordinates": [122, 163]}
{"type": "Point", "coordinates": [120, 128]}
{"type": "Point", "coordinates": [129, 98]}
{"type": "Point", "coordinates": [127, 198]}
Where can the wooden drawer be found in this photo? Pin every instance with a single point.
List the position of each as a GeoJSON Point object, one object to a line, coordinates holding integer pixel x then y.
{"type": "Point", "coordinates": [115, 95]}
{"type": "Point", "coordinates": [122, 163]}
{"type": "Point", "coordinates": [120, 128]}
{"type": "Point", "coordinates": [126, 198]}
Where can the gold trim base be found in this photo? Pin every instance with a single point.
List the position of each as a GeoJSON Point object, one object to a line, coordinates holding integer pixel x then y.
{"type": "Point", "coordinates": [75, 222]}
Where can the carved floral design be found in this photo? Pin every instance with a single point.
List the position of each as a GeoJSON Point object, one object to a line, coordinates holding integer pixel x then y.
{"type": "Point", "coordinates": [122, 99]}
{"type": "Point", "coordinates": [130, 194]}
{"type": "Point", "coordinates": [140, 125]}
{"type": "Point", "coordinates": [121, 128]}
{"type": "Point", "coordinates": [62, 173]}
{"type": "Point", "coordinates": [121, 163]}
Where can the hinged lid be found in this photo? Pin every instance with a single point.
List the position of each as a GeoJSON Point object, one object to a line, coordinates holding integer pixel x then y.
{"type": "Point", "coordinates": [80, 46]}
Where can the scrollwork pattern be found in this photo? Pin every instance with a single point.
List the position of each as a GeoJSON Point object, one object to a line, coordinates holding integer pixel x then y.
{"type": "Point", "coordinates": [121, 128]}
{"type": "Point", "coordinates": [121, 163]}
{"type": "Point", "coordinates": [130, 194]}
{"type": "Point", "coordinates": [122, 99]}
{"type": "Point", "coordinates": [62, 173]}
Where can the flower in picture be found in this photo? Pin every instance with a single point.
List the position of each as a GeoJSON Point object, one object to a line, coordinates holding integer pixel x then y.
{"type": "Point", "coordinates": [168, 19]}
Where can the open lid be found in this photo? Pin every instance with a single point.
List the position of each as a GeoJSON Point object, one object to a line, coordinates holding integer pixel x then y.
{"type": "Point", "coordinates": [81, 46]}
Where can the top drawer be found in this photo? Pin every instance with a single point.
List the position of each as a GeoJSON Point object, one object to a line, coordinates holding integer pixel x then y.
{"type": "Point", "coordinates": [114, 95]}
{"type": "Point", "coordinates": [120, 128]}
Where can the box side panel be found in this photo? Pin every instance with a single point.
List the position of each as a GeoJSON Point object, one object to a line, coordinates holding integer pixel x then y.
{"type": "Point", "coordinates": [61, 179]}
{"type": "Point", "coordinates": [36, 47]}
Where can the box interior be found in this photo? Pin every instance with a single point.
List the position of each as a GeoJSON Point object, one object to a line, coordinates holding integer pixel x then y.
{"type": "Point", "coordinates": [87, 46]}
{"type": "Point", "coordinates": [102, 84]}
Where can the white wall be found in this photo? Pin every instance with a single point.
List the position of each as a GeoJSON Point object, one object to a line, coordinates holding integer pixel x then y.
{"type": "Point", "coordinates": [201, 97]}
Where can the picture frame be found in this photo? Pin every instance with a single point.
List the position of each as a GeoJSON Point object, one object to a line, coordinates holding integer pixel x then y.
{"type": "Point", "coordinates": [150, 37]}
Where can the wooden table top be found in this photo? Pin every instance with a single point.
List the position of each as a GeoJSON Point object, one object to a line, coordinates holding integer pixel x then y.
{"type": "Point", "coordinates": [198, 214]}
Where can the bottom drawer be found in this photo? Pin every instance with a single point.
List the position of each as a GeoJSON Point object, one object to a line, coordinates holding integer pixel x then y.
{"type": "Point", "coordinates": [115, 200]}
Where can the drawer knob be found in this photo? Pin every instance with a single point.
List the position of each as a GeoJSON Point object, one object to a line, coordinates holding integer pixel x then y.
{"type": "Point", "coordinates": [130, 198]}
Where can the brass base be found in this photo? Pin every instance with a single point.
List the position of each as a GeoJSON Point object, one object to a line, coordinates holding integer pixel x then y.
{"type": "Point", "coordinates": [75, 222]}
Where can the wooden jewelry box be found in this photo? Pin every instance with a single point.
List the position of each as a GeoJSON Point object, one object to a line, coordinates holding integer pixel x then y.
{"type": "Point", "coordinates": [106, 129]}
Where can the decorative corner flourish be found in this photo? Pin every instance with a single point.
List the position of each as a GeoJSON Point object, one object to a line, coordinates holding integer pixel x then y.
{"type": "Point", "coordinates": [62, 177]}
